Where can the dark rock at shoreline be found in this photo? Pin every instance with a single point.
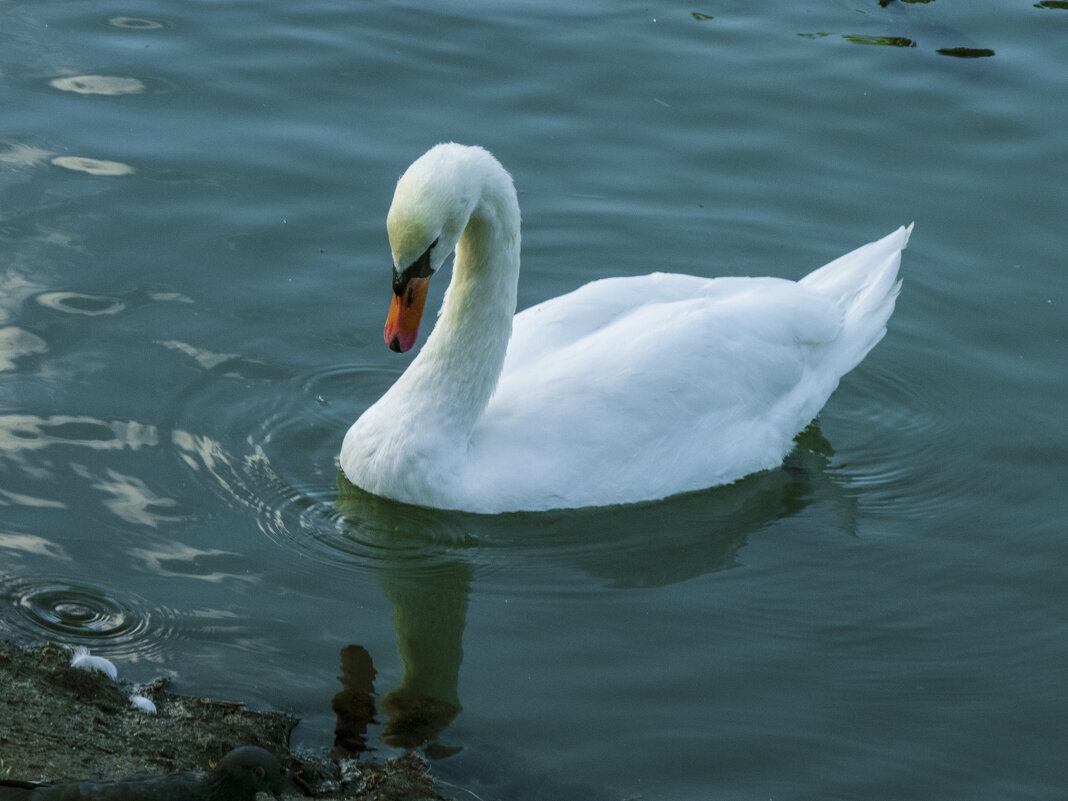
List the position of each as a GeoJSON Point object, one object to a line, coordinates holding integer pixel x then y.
{"type": "Point", "coordinates": [59, 722]}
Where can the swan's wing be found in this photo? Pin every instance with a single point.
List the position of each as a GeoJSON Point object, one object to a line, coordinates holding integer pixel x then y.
{"type": "Point", "coordinates": [660, 381]}
{"type": "Point", "coordinates": [561, 321]}
{"type": "Point", "coordinates": [651, 323]}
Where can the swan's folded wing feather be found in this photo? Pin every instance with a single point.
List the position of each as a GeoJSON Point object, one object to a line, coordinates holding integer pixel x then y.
{"type": "Point", "coordinates": [655, 321]}
{"type": "Point", "coordinates": [563, 320]}
{"type": "Point", "coordinates": [664, 392]}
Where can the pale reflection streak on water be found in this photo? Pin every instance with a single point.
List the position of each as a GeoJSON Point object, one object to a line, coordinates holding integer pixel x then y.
{"type": "Point", "coordinates": [60, 598]}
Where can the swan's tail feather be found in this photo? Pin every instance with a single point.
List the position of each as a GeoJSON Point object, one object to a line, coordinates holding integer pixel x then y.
{"type": "Point", "coordinates": [866, 284]}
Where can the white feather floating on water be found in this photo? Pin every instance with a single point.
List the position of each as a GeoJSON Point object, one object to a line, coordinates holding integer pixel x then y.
{"type": "Point", "coordinates": [142, 703]}
{"type": "Point", "coordinates": [86, 661]}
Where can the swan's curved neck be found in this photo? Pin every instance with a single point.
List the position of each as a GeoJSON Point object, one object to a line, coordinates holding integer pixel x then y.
{"type": "Point", "coordinates": [450, 382]}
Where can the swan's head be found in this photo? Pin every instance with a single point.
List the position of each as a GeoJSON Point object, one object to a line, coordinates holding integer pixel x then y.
{"type": "Point", "coordinates": [431, 206]}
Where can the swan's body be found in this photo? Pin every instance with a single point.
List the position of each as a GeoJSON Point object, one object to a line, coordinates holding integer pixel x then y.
{"type": "Point", "coordinates": [627, 389]}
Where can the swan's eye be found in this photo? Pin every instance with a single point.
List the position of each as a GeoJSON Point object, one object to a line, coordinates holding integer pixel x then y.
{"type": "Point", "coordinates": [420, 268]}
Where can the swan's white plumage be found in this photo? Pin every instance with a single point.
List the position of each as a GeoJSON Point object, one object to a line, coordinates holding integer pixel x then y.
{"type": "Point", "coordinates": [627, 389]}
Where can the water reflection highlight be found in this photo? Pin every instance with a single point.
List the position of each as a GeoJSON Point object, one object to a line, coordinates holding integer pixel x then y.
{"type": "Point", "coordinates": [98, 85]}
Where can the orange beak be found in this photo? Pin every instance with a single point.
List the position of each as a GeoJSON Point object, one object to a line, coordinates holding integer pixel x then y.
{"type": "Point", "coordinates": [405, 312]}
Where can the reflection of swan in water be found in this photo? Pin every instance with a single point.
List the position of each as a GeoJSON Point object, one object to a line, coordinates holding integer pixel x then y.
{"type": "Point", "coordinates": [625, 390]}
{"type": "Point", "coordinates": [430, 610]}
{"type": "Point", "coordinates": [424, 575]}
{"type": "Point", "coordinates": [427, 558]}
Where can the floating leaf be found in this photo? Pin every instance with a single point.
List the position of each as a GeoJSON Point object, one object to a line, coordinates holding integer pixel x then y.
{"type": "Point", "coordinates": [888, 41]}
{"type": "Point", "coordinates": [966, 52]}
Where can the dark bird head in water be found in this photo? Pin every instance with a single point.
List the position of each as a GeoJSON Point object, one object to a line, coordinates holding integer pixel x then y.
{"type": "Point", "coordinates": [239, 776]}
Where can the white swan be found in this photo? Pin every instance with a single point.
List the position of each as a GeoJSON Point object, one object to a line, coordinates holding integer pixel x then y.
{"type": "Point", "coordinates": [627, 389]}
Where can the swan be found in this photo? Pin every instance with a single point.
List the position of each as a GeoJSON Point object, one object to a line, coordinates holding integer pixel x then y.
{"type": "Point", "coordinates": [626, 389]}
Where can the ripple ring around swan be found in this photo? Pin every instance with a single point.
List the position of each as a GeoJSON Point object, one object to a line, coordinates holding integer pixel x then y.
{"type": "Point", "coordinates": [276, 456]}
{"type": "Point", "coordinates": [882, 423]}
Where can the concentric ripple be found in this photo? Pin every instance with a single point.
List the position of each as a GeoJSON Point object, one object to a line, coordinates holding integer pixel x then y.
{"type": "Point", "coordinates": [73, 612]}
{"type": "Point", "coordinates": [885, 423]}
{"type": "Point", "coordinates": [330, 386]}
{"type": "Point", "coordinates": [276, 456]}
{"type": "Point", "coordinates": [280, 463]}
{"type": "Point", "coordinates": [334, 520]}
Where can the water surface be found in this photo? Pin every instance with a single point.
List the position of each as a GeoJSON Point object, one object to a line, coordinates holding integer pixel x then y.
{"type": "Point", "coordinates": [193, 279]}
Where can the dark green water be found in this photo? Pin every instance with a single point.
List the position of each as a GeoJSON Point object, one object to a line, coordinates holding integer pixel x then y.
{"type": "Point", "coordinates": [194, 274]}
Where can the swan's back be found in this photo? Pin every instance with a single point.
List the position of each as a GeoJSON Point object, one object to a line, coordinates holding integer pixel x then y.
{"type": "Point", "coordinates": [638, 388]}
